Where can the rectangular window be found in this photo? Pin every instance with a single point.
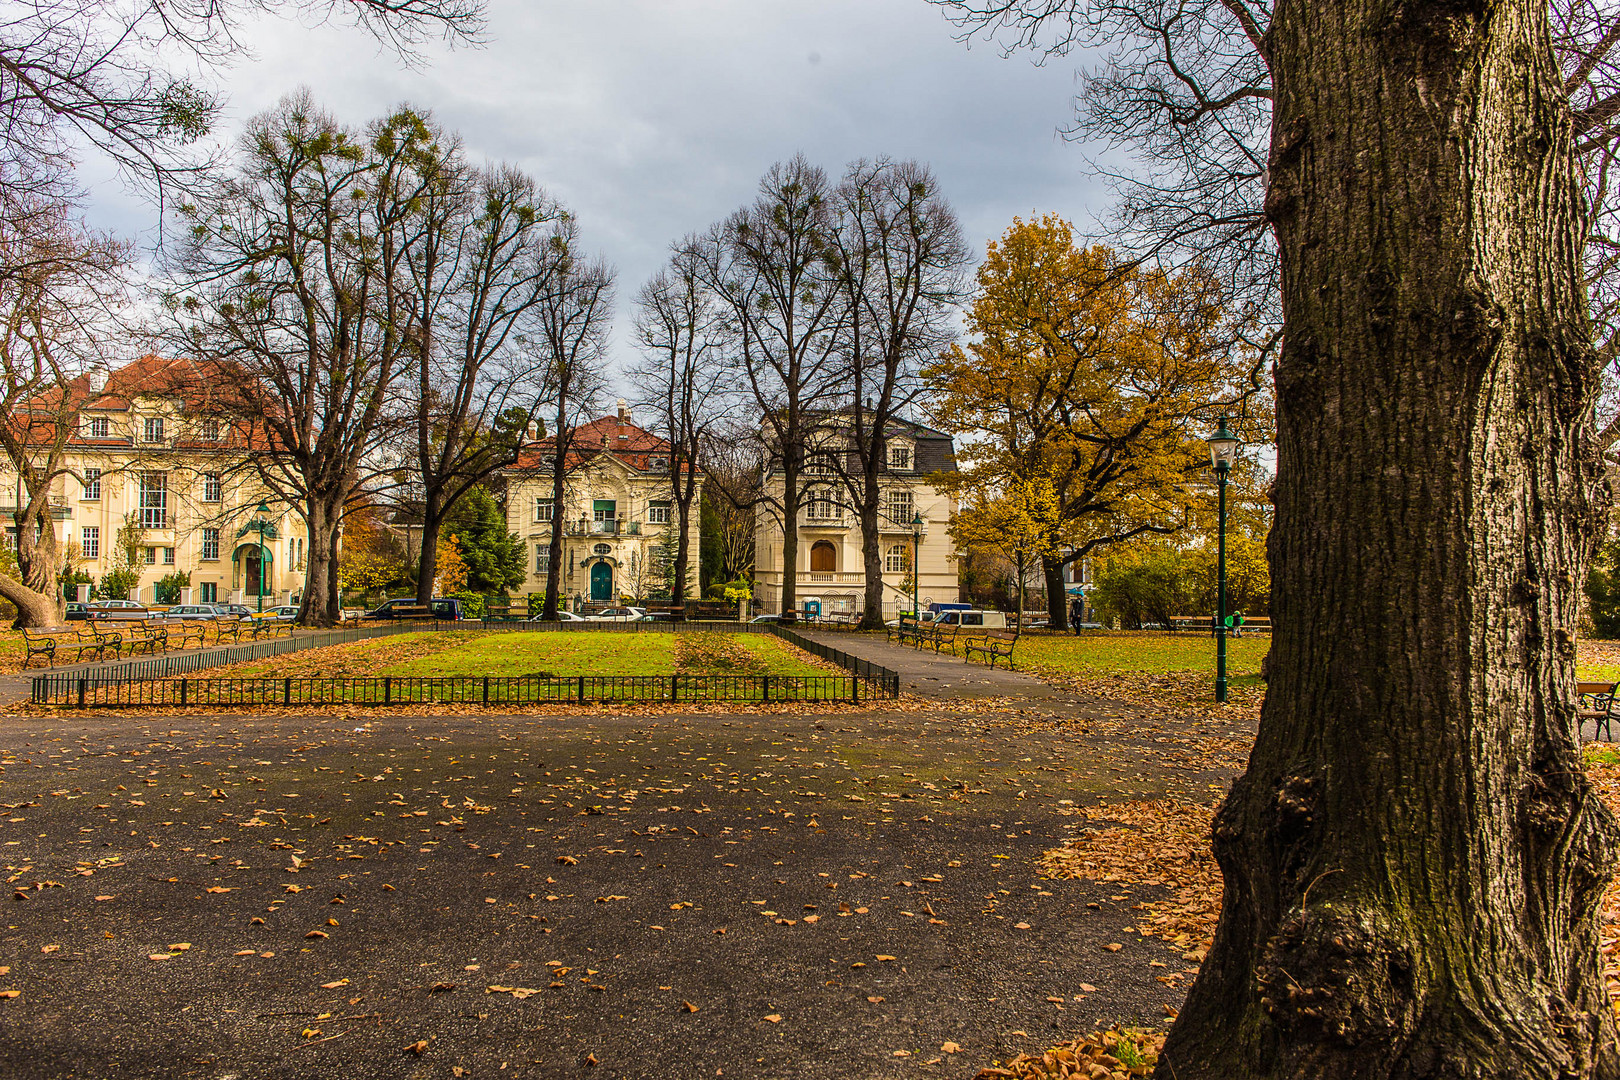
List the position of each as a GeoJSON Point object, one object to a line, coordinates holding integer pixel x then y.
{"type": "Point", "coordinates": [90, 541]}
{"type": "Point", "coordinates": [154, 501]}
{"type": "Point", "coordinates": [99, 428]}
{"type": "Point", "coordinates": [151, 556]}
{"type": "Point", "coordinates": [542, 558]}
{"type": "Point", "coordinates": [212, 489]}
{"type": "Point", "coordinates": [605, 514]}
{"type": "Point", "coordinates": [823, 505]}
{"type": "Point", "coordinates": [208, 431]}
{"type": "Point", "coordinates": [210, 592]}
{"type": "Point", "coordinates": [168, 556]}
{"type": "Point", "coordinates": [658, 513]}
{"type": "Point", "coordinates": [900, 457]}
{"type": "Point", "coordinates": [899, 509]}
{"type": "Point", "coordinates": [92, 483]}
{"type": "Point", "coordinates": [154, 429]}
{"type": "Point", "coordinates": [210, 545]}
{"type": "Point", "coordinates": [543, 507]}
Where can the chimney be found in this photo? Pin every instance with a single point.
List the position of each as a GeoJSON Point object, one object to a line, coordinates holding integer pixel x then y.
{"type": "Point", "coordinates": [98, 378]}
{"type": "Point", "coordinates": [624, 421]}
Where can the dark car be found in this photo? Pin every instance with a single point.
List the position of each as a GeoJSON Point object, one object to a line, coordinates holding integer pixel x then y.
{"type": "Point", "coordinates": [407, 608]}
{"type": "Point", "coordinates": [192, 612]}
{"type": "Point", "coordinates": [115, 609]}
{"type": "Point", "coordinates": [75, 610]}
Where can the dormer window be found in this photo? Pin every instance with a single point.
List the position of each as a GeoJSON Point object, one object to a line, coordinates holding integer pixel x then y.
{"type": "Point", "coordinates": [658, 464]}
{"type": "Point", "coordinates": [208, 431]}
{"type": "Point", "coordinates": [99, 427]}
{"type": "Point", "coordinates": [899, 456]}
{"type": "Point", "coordinates": [154, 429]}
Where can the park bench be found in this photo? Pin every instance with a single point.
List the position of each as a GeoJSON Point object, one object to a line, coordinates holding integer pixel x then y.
{"type": "Point", "coordinates": [992, 645]}
{"type": "Point", "coordinates": [907, 629]}
{"type": "Point", "coordinates": [1596, 703]}
{"type": "Point", "coordinates": [228, 627]}
{"type": "Point", "coordinates": [105, 639]}
{"type": "Point", "coordinates": [44, 643]}
{"type": "Point", "coordinates": [144, 636]}
{"type": "Point", "coordinates": [186, 633]}
{"type": "Point", "coordinates": [945, 637]}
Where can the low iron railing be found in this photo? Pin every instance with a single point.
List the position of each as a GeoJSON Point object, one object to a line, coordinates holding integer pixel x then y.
{"type": "Point", "coordinates": [152, 681]}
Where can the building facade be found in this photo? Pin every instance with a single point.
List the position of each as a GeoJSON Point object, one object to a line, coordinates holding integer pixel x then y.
{"type": "Point", "coordinates": [830, 575]}
{"type": "Point", "coordinates": [146, 455]}
{"type": "Point", "coordinates": [619, 515]}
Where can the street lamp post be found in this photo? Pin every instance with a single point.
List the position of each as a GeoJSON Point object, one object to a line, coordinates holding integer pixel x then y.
{"type": "Point", "coordinates": [1223, 447]}
{"type": "Point", "coordinates": [916, 543]}
{"type": "Point", "coordinates": [261, 522]}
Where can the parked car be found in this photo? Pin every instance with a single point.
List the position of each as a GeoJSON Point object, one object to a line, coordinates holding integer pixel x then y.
{"type": "Point", "coordinates": [191, 612]}
{"type": "Point", "coordinates": [765, 618]}
{"type": "Point", "coordinates": [406, 607]}
{"type": "Point", "coordinates": [282, 612]}
{"type": "Point", "coordinates": [618, 614]}
{"type": "Point", "coordinates": [75, 611]}
{"type": "Point", "coordinates": [562, 616]}
{"type": "Point", "coordinates": [103, 610]}
{"type": "Point", "coordinates": [231, 611]}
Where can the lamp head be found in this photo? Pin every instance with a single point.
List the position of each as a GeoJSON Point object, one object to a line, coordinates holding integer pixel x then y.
{"type": "Point", "coordinates": [1223, 447]}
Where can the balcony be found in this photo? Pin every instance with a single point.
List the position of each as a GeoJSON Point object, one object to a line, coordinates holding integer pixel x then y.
{"type": "Point", "coordinates": [609, 527]}
{"type": "Point", "coordinates": [825, 521]}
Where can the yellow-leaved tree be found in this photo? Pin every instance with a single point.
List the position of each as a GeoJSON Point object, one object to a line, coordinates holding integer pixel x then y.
{"type": "Point", "coordinates": [1021, 523]}
{"type": "Point", "coordinates": [1096, 376]}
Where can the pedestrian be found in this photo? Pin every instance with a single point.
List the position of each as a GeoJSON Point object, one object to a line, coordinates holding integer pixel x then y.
{"type": "Point", "coordinates": [1077, 611]}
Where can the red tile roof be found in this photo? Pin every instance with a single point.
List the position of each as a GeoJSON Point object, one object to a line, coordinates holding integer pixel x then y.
{"type": "Point", "coordinates": [613, 435]}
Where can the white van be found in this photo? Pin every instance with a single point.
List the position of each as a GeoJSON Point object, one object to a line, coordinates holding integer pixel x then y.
{"type": "Point", "coordinates": [991, 620]}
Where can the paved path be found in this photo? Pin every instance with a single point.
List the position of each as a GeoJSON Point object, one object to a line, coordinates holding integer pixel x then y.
{"type": "Point", "coordinates": [937, 675]}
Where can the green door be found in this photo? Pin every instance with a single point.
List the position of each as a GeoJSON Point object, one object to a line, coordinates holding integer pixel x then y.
{"type": "Point", "coordinates": [601, 582]}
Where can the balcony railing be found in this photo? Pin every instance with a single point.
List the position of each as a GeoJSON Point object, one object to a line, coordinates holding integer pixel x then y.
{"type": "Point", "coordinates": [609, 527]}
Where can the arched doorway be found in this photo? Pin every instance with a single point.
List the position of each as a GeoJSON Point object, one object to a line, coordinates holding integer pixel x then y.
{"type": "Point", "coordinates": [601, 581]}
{"type": "Point", "coordinates": [247, 559]}
{"type": "Point", "coordinates": [823, 557]}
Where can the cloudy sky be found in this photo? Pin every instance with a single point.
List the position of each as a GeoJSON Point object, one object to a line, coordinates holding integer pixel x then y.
{"type": "Point", "coordinates": [654, 118]}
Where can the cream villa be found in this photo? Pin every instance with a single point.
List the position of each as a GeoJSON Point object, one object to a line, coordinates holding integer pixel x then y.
{"type": "Point", "coordinates": [830, 574]}
{"type": "Point", "coordinates": [149, 453]}
{"type": "Point", "coordinates": [618, 511]}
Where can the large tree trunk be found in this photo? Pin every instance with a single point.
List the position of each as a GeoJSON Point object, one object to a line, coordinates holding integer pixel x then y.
{"type": "Point", "coordinates": [427, 560]}
{"type": "Point", "coordinates": [1414, 858]}
{"type": "Point", "coordinates": [555, 547]}
{"type": "Point", "coordinates": [790, 539]}
{"type": "Point", "coordinates": [1057, 601]}
{"type": "Point", "coordinates": [872, 564]}
{"type": "Point", "coordinates": [320, 606]}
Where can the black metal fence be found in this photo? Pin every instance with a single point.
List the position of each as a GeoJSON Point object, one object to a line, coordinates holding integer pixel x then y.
{"type": "Point", "coordinates": [88, 692]}
{"type": "Point", "coordinates": [151, 682]}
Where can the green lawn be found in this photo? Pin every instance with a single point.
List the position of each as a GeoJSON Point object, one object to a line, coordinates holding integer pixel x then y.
{"type": "Point", "coordinates": [557, 653]}
{"type": "Point", "coordinates": [1110, 654]}
{"type": "Point", "coordinates": [608, 653]}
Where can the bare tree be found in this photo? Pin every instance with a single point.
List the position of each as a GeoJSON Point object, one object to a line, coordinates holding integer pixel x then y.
{"type": "Point", "coordinates": [479, 279]}
{"type": "Point", "coordinates": [899, 257]}
{"type": "Point", "coordinates": [770, 265]}
{"type": "Point", "coordinates": [295, 274]}
{"type": "Point", "coordinates": [62, 290]}
{"type": "Point", "coordinates": [572, 332]}
{"type": "Point", "coordinates": [103, 74]}
{"type": "Point", "coordinates": [679, 330]}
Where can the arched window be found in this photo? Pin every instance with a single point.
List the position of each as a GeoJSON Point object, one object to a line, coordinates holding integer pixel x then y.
{"type": "Point", "coordinates": [897, 560]}
{"type": "Point", "coordinates": [823, 557]}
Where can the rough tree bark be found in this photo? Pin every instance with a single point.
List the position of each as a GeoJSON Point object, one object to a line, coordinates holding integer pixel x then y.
{"type": "Point", "coordinates": [1414, 858]}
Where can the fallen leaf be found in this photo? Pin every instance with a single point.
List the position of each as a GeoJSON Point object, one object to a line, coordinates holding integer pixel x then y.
{"type": "Point", "coordinates": [418, 1047]}
{"type": "Point", "coordinates": [902, 1053]}
{"type": "Point", "coordinates": [1113, 946]}
{"type": "Point", "coordinates": [950, 1048]}
{"type": "Point", "coordinates": [317, 934]}
{"type": "Point", "coordinates": [689, 1007]}
{"type": "Point", "coordinates": [774, 1018]}
{"type": "Point", "coordinates": [10, 993]}
{"type": "Point", "coordinates": [160, 956]}
{"type": "Point", "coordinates": [180, 946]}
{"type": "Point", "coordinates": [211, 888]}
{"type": "Point", "coordinates": [874, 1000]}
{"type": "Point", "coordinates": [881, 957]}
{"type": "Point", "coordinates": [104, 898]}
{"type": "Point", "coordinates": [334, 985]}
{"type": "Point", "coordinates": [1021, 926]}
{"type": "Point", "coordinates": [49, 948]}
{"type": "Point", "coordinates": [1088, 988]}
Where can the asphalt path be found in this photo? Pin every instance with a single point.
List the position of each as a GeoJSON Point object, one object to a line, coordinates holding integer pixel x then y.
{"type": "Point", "coordinates": [739, 894]}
